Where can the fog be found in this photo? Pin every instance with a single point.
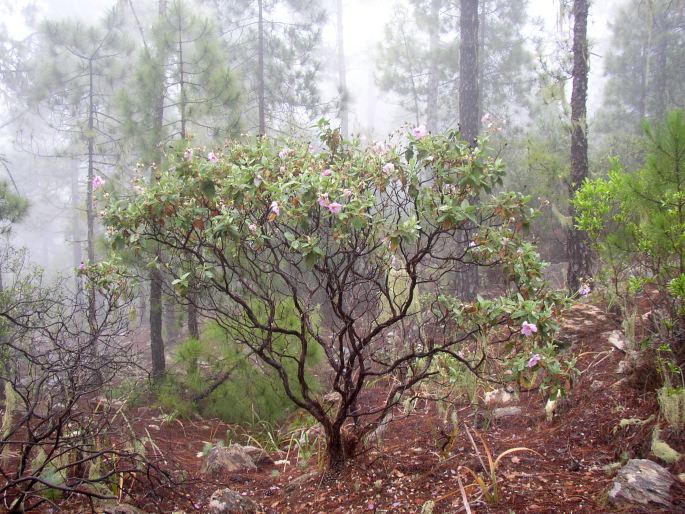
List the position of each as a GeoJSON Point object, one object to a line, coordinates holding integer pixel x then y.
{"type": "Point", "coordinates": [31, 145]}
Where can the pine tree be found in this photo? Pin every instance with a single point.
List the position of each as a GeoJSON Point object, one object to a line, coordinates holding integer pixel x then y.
{"type": "Point", "coordinates": [580, 263]}
{"type": "Point", "coordinates": [645, 64]}
{"type": "Point", "coordinates": [183, 72]}
{"type": "Point", "coordinates": [275, 44]}
{"type": "Point", "coordinates": [419, 59]}
{"type": "Point", "coordinates": [72, 76]}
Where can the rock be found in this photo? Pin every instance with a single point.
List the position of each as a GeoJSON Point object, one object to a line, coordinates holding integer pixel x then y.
{"type": "Point", "coordinates": [312, 435]}
{"type": "Point", "coordinates": [505, 412]}
{"type": "Point", "coordinates": [226, 501]}
{"type": "Point", "coordinates": [498, 397]}
{"type": "Point", "coordinates": [628, 364]}
{"type": "Point", "coordinates": [641, 482]}
{"type": "Point", "coordinates": [617, 340]}
{"type": "Point", "coordinates": [550, 408]}
{"type": "Point", "coordinates": [295, 483]}
{"type": "Point", "coordinates": [331, 402]}
{"type": "Point", "coordinates": [227, 460]}
{"type": "Point", "coordinates": [596, 385]}
{"type": "Point", "coordinates": [121, 508]}
{"type": "Point", "coordinates": [257, 454]}
{"type": "Point", "coordinates": [624, 367]}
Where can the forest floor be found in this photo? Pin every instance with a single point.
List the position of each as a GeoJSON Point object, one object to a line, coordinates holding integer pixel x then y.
{"type": "Point", "coordinates": [567, 475]}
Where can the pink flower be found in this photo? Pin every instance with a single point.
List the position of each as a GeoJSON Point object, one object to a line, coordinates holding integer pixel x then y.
{"type": "Point", "coordinates": [419, 132]}
{"type": "Point", "coordinates": [323, 200]}
{"type": "Point", "coordinates": [472, 244]}
{"type": "Point", "coordinates": [533, 361]}
{"type": "Point", "coordinates": [275, 208]}
{"type": "Point", "coordinates": [528, 329]}
{"type": "Point", "coordinates": [327, 172]}
{"type": "Point", "coordinates": [284, 153]}
{"type": "Point", "coordinates": [81, 266]}
{"type": "Point", "coordinates": [252, 227]}
{"type": "Point", "coordinates": [98, 181]}
{"type": "Point", "coordinates": [212, 157]}
{"type": "Point", "coordinates": [347, 193]}
{"type": "Point", "coordinates": [188, 154]}
{"type": "Point", "coordinates": [584, 290]}
{"type": "Point", "coordinates": [388, 167]}
{"type": "Point", "coordinates": [335, 208]}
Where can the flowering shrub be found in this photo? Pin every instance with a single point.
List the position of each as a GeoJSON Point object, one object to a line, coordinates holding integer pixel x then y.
{"type": "Point", "coordinates": [370, 238]}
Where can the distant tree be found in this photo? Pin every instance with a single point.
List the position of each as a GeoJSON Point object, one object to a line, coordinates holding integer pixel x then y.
{"type": "Point", "coordinates": [579, 252]}
{"type": "Point", "coordinates": [645, 64]}
{"type": "Point", "coordinates": [419, 59]}
{"type": "Point", "coordinates": [183, 72]}
{"type": "Point", "coordinates": [274, 46]}
{"type": "Point", "coordinates": [73, 73]}
{"type": "Point", "coordinates": [12, 208]}
{"type": "Point", "coordinates": [343, 92]}
{"type": "Point", "coordinates": [469, 89]}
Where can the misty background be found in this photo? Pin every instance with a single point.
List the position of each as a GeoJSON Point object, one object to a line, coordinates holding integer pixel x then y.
{"type": "Point", "coordinates": [383, 55]}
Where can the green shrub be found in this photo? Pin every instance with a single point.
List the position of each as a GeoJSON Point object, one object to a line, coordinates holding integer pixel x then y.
{"type": "Point", "coordinates": [251, 393]}
{"type": "Point", "coordinates": [637, 222]}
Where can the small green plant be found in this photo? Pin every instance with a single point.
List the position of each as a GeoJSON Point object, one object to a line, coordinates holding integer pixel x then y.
{"type": "Point", "coordinates": [487, 482]}
{"type": "Point", "coordinates": [10, 407]}
{"type": "Point", "coordinates": [672, 406]}
{"type": "Point", "coordinates": [662, 450]}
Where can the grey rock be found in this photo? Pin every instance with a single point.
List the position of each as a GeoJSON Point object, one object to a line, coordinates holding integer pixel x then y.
{"type": "Point", "coordinates": [257, 454]}
{"type": "Point", "coordinates": [226, 501]}
{"type": "Point", "coordinates": [642, 482]}
{"type": "Point", "coordinates": [596, 385]}
{"type": "Point", "coordinates": [120, 508]}
{"type": "Point", "coordinates": [629, 363]}
{"type": "Point", "coordinates": [296, 483]}
{"type": "Point", "coordinates": [505, 412]}
{"type": "Point", "coordinates": [499, 397]}
{"type": "Point", "coordinates": [227, 460]}
{"type": "Point", "coordinates": [617, 339]}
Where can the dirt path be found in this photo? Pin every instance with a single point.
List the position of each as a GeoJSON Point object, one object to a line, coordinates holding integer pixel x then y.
{"type": "Point", "coordinates": [408, 469]}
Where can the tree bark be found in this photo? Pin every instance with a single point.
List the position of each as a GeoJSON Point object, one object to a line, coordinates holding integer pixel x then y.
{"type": "Point", "coordinates": [156, 341]}
{"type": "Point", "coordinates": [342, 75]}
{"type": "Point", "coordinates": [337, 451]}
{"type": "Point", "coordinates": [468, 71]}
{"type": "Point", "coordinates": [193, 324]}
{"type": "Point", "coordinates": [260, 68]}
{"type": "Point", "coordinates": [77, 250]}
{"type": "Point", "coordinates": [90, 216]}
{"type": "Point", "coordinates": [469, 94]}
{"type": "Point", "coordinates": [579, 256]}
{"type": "Point", "coordinates": [433, 90]}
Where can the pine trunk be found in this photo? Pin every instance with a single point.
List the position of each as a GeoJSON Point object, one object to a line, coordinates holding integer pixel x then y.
{"type": "Point", "coordinates": [260, 69]}
{"type": "Point", "coordinates": [156, 341]}
{"type": "Point", "coordinates": [579, 256]}
{"type": "Point", "coordinates": [469, 93]}
{"type": "Point", "coordinates": [468, 71]}
{"type": "Point", "coordinates": [433, 90]}
{"type": "Point", "coordinates": [342, 75]}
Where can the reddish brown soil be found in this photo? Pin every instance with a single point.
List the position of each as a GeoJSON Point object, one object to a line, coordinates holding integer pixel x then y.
{"type": "Point", "coordinates": [407, 470]}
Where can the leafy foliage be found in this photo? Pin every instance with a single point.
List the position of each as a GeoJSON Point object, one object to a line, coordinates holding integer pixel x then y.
{"type": "Point", "coordinates": [263, 223]}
